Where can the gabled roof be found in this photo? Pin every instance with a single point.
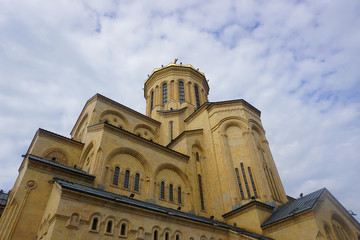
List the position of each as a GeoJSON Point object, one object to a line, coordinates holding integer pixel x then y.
{"type": "Point", "coordinates": [152, 207]}
{"type": "Point", "coordinates": [3, 198]}
{"type": "Point", "coordinates": [295, 207]}
{"type": "Point", "coordinates": [106, 99]}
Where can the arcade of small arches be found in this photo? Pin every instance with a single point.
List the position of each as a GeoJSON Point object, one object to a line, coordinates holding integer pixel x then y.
{"type": "Point", "coordinates": [110, 226]}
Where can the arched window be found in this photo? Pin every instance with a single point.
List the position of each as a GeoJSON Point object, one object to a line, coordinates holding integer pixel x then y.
{"type": "Point", "coordinates": [179, 194]}
{"type": "Point", "coordinates": [252, 182]}
{"type": "Point", "coordinates": [156, 235]}
{"type": "Point", "coordinates": [109, 226]}
{"type": "Point", "coordinates": [164, 93]}
{"type": "Point", "coordinates": [171, 130]}
{"type": "Point", "coordinates": [152, 101]}
{"type": "Point", "coordinates": [171, 191]}
{"type": "Point", "coordinates": [162, 190]}
{"type": "Point", "coordinates": [177, 237]}
{"type": "Point", "coordinates": [197, 96]}
{"type": "Point", "coordinates": [245, 180]}
{"type": "Point", "coordinates": [181, 92]}
{"type": "Point", "coordinates": [94, 224]}
{"type": "Point", "coordinates": [126, 179]}
{"type": "Point", "coordinates": [197, 156]}
{"type": "Point", "coordinates": [116, 176]}
{"type": "Point", "coordinates": [201, 193]}
{"type": "Point", "coordinates": [167, 236]}
{"type": "Point", "coordinates": [136, 183]}
{"type": "Point", "coordinates": [123, 229]}
{"type": "Point", "coordinates": [239, 183]}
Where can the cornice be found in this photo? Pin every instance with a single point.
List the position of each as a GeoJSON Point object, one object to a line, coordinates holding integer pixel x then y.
{"type": "Point", "coordinates": [246, 206]}
{"type": "Point", "coordinates": [58, 169]}
{"type": "Point", "coordinates": [175, 69]}
{"type": "Point", "coordinates": [43, 132]}
{"type": "Point", "coordinates": [181, 135]}
{"type": "Point", "coordinates": [100, 97]}
{"type": "Point", "coordinates": [113, 129]}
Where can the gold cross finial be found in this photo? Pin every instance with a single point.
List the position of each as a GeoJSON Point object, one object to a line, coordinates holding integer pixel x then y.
{"type": "Point", "coordinates": [175, 60]}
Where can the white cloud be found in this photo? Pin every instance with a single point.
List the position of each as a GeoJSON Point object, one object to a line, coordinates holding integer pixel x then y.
{"type": "Point", "coordinates": [296, 61]}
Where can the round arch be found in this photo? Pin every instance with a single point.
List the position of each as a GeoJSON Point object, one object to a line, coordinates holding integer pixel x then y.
{"type": "Point", "coordinates": [176, 170]}
{"type": "Point", "coordinates": [131, 152]}
{"type": "Point", "coordinates": [227, 122]}
{"type": "Point", "coordinates": [116, 113]}
{"type": "Point", "coordinates": [146, 127]}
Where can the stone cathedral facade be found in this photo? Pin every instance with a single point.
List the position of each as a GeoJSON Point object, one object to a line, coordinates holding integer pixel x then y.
{"type": "Point", "coordinates": [189, 169]}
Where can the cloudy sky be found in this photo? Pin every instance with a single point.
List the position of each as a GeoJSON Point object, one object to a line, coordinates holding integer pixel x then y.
{"type": "Point", "coordinates": [296, 61]}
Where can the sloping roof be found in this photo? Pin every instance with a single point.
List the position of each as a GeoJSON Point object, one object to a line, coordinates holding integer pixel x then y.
{"type": "Point", "coordinates": [59, 165]}
{"type": "Point", "coordinates": [3, 198]}
{"type": "Point", "coordinates": [295, 207]}
{"type": "Point", "coordinates": [152, 207]}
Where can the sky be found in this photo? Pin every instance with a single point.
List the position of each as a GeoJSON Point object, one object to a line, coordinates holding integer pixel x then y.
{"type": "Point", "coordinates": [295, 61]}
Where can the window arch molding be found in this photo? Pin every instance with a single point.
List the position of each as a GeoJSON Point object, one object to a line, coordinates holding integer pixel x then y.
{"type": "Point", "coordinates": [177, 235]}
{"type": "Point", "coordinates": [227, 122]}
{"type": "Point", "coordinates": [94, 222]}
{"type": "Point", "coordinates": [177, 170]}
{"type": "Point", "coordinates": [62, 152]}
{"type": "Point", "coordinates": [181, 90]}
{"type": "Point", "coordinates": [155, 233]}
{"type": "Point", "coordinates": [123, 227]}
{"type": "Point", "coordinates": [166, 233]}
{"type": "Point", "coordinates": [116, 173]}
{"type": "Point", "coordinates": [164, 92]}
{"type": "Point", "coordinates": [137, 181]}
{"type": "Point", "coordinates": [81, 126]}
{"type": "Point", "coordinates": [89, 150]}
{"type": "Point", "coordinates": [340, 228]}
{"type": "Point", "coordinates": [127, 176]}
{"type": "Point", "coordinates": [145, 164]}
{"type": "Point", "coordinates": [109, 224]}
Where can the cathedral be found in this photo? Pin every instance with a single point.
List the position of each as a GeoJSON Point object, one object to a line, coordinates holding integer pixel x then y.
{"type": "Point", "coordinates": [188, 169]}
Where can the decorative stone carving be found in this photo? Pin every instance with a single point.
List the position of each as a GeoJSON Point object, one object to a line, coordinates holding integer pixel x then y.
{"type": "Point", "coordinates": [57, 156]}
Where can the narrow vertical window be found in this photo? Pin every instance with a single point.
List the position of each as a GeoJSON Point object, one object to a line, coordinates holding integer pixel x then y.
{"type": "Point", "coordinates": [152, 101]}
{"type": "Point", "coordinates": [94, 223]}
{"type": "Point", "coordinates": [181, 92]}
{"type": "Point", "coordinates": [171, 192]}
{"type": "Point", "coordinates": [179, 194]}
{"type": "Point", "coordinates": [245, 180]}
{"type": "Point", "coordinates": [201, 193]}
{"type": "Point", "coordinates": [126, 179]}
{"type": "Point", "coordinates": [177, 237]}
{"type": "Point", "coordinates": [166, 236]}
{"type": "Point", "coordinates": [162, 190]}
{"type": "Point", "coordinates": [275, 187]}
{"type": "Point", "coordinates": [164, 93]}
{"type": "Point", "coordinates": [270, 183]}
{"type": "Point", "coordinates": [116, 176]}
{"type": "Point", "coordinates": [123, 229]}
{"type": "Point", "coordinates": [136, 183]}
{"type": "Point", "coordinates": [197, 96]}
{"type": "Point", "coordinates": [197, 156]}
{"type": "Point", "coordinates": [252, 182]}
{"type": "Point", "coordinates": [171, 131]}
{"type": "Point", "coordinates": [239, 183]}
{"type": "Point", "coordinates": [155, 235]}
{"type": "Point", "coordinates": [109, 226]}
